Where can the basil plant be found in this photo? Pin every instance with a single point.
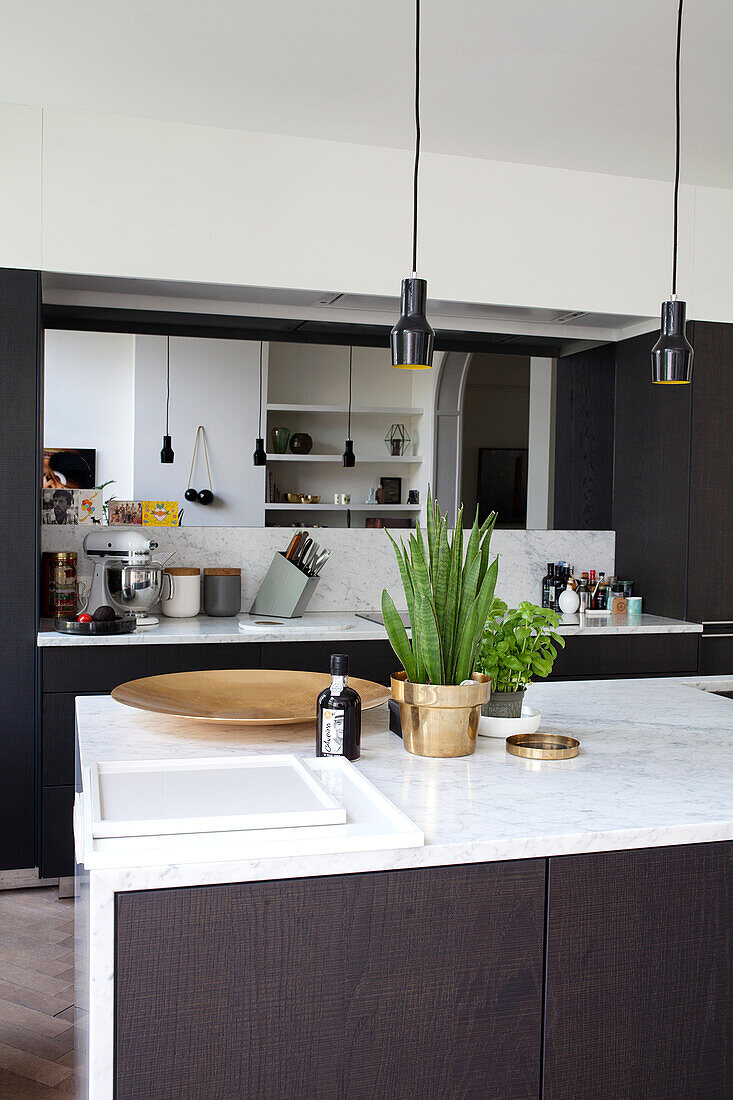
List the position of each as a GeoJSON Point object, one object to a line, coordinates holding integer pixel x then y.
{"type": "Point", "coordinates": [518, 646]}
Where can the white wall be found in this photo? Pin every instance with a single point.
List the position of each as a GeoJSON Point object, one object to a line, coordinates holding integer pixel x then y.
{"type": "Point", "coordinates": [88, 401]}
{"type": "Point", "coordinates": [214, 383]}
{"type": "Point", "coordinates": [135, 197]}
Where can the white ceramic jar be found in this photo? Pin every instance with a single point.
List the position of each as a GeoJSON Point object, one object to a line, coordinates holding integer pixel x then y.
{"type": "Point", "coordinates": [181, 598]}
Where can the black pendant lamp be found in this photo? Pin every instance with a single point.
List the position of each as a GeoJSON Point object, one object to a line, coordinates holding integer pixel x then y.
{"type": "Point", "coordinates": [672, 354]}
{"type": "Point", "coordinates": [259, 458]}
{"type": "Point", "coordinates": [412, 338]}
{"type": "Point", "coordinates": [166, 454]}
{"type": "Point", "coordinates": [349, 458]}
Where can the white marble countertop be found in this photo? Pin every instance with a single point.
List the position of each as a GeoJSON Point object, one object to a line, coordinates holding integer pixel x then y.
{"type": "Point", "coordinates": [655, 768]}
{"type": "Point", "coordinates": [326, 625]}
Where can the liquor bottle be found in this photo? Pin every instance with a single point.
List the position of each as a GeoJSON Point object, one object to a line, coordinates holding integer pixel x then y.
{"type": "Point", "coordinates": [338, 712]}
{"type": "Point", "coordinates": [598, 597]}
{"type": "Point", "coordinates": [561, 583]}
{"type": "Point", "coordinates": [548, 582]}
{"type": "Point", "coordinates": [583, 592]}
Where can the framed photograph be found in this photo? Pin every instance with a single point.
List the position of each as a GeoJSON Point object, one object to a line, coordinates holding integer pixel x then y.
{"type": "Point", "coordinates": [160, 513]}
{"type": "Point", "coordinates": [69, 468]}
{"type": "Point", "coordinates": [391, 490]}
{"type": "Point", "coordinates": [126, 512]}
{"type": "Point", "coordinates": [89, 506]}
{"type": "Point", "coordinates": [59, 508]}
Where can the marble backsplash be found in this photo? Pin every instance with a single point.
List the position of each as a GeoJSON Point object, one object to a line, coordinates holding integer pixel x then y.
{"type": "Point", "coordinates": [362, 561]}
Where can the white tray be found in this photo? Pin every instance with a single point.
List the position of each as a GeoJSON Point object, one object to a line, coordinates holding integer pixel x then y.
{"type": "Point", "coordinates": [161, 797]}
{"type": "Point", "coordinates": [372, 823]}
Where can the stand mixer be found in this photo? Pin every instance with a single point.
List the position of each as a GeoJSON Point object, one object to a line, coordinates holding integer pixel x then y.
{"type": "Point", "coordinates": [125, 574]}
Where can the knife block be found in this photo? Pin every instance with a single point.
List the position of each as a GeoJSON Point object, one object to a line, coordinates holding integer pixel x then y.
{"type": "Point", "coordinates": [286, 590]}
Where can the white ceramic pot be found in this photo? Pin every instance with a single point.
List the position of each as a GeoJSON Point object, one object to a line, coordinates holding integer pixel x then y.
{"type": "Point", "coordinates": [506, 727]}
{"type": "Point", "coordinates": [181, 598]}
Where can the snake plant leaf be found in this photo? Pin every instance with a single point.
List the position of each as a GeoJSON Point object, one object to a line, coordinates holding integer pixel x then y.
{"type": "Point", "coordinates": [440, 584]}
{"type": "Point", "coordinates": [466, 649]}
{"type": "Point", "coordinates": [487, 530]}
{"type": "Point", "coordinates": [430, 648]}
{"type": "Point", "coordinates": [398, 636]}
{"type": "Point", "coordinates": [485, 597]}
{"type": "Point", "coordinates": [472, 548]}
{"type": "Point", "coordinates": [432, 540]}
{"type": "Point", "coordinates": [420, 570]}
{"type": "Point", "coordinates": [407, 584]}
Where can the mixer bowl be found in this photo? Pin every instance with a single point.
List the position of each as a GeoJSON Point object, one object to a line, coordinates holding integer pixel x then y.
{"type": "Point", "coordinates": [133, 589]}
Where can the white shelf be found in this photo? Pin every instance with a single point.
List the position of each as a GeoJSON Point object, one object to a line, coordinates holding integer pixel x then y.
{"type": "Point", "coordinates": [377, 508]}
{"type": "Point", "coordinates": [365, 410]}
{"type": "Point", "coordinates": [405, 460]}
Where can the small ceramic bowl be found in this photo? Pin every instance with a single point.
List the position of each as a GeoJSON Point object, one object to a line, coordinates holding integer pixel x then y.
{"type": "Point", "coordinates": [310, 499]}
{"type": "Point", "coordinates": [506, 727]}
{"type": "Point", "coordinates": [294, 498]}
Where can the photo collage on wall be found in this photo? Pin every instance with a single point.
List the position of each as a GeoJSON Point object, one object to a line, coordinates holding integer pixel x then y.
{"type": "Point", "coordinates": [70, 496]}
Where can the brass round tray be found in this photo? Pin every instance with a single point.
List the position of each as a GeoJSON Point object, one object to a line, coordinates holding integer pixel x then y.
{"type": "Point", "coordinates": [249, 696]}
{"type": "Point", "coordinates": [542, 746]}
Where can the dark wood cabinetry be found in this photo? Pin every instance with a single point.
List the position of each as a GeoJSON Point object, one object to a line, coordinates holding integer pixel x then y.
{"type": "Point", "coordinates": [639, 975]}
{"type": "Point", "coordinates": [587, 976]}
{"type": "Point", "coordinates": [421, 985]}
{"type": "Point", "coordinates": [673, 478]}
{"type": "Point", "coordinates": [19, 475]}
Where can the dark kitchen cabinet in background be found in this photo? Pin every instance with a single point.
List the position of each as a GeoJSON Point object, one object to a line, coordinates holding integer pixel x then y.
{"type": "Point", "coordinates": [20, 351]}
{"type": "Point", "coordinates": [584, 398]}
{"type": "Point", "coordinates": [673, 478]}
{"type": "Point", "coordinates": [420, 983]}
{"type": "Point", "coordinates": [639, 975]}
{"type": "Point", "coordinates": [710, 563]}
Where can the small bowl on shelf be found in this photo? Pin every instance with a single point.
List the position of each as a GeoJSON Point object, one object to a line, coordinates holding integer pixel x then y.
{"type": "Point", "coordinates": [294, 498]}
{"type": "Point", "coordinates": [310, 499]}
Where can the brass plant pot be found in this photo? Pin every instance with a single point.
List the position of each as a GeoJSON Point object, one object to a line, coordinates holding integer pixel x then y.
{"type": "Point", "coordinates": [440, 719]}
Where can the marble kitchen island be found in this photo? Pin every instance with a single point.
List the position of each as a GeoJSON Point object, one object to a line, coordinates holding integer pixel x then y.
{"type": "Point", "coordinates": [420, 971]}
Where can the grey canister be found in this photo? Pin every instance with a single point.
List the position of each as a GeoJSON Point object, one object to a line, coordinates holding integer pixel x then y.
{"type": "Point", "coordinates": [222, 592]}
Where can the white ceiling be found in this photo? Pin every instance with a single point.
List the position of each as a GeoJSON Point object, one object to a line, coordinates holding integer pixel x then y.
{"type": "Point", "coordinates": [584, 84]}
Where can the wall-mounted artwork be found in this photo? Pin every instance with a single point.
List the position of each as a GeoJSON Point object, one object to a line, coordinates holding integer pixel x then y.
{"type": "Point", "coordinates": [69, 468]}
{"type": "Point", "coordinates": [125, 512]}
{"type": "Point", "coordinates": [89, 506]}
{"type": "Point", "coordinates": [59, 507]}
{"type": "Point", "coordinates": [160, 513]}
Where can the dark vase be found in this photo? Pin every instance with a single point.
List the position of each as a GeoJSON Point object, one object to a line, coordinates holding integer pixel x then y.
{"type": "Point", "coordinates": [504, 704]}
{"type": "Point", "coordinates": [301, 443]}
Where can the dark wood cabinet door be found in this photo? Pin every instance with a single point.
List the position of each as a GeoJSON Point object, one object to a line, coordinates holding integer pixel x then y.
{"type": "Point", "coordinates": [417, 985]}
{"type": "Point", "coordinates": [370, 660]}
{"type": "Point", "coordinates": [20, 478]}
{"type": "Point", "coordinates": [710, 593]}
{"type": "Point", "coordinates": [56, 857]}
{"type": "Point", "coordinates": [610, 656]}
{"type": "Point", "coordinates": [639, 975]}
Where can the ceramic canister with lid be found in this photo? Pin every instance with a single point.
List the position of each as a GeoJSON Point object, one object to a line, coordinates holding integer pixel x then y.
{"type": "Point", "coordinates": [181, 598]}
{"type": "Point", "coordinates": [222, 592]}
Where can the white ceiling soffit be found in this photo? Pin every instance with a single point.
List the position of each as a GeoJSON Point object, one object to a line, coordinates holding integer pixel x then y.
{"type": "Point", "coordinates": [313, 305]}
{"type": "Point", "coordinates": [583, 84]}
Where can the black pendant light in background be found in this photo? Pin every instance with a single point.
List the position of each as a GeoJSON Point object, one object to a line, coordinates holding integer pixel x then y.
{"type": "Point", "coordinates": [672, 354]}
{"type": "Point", "coordinates": [349, 458]}
{"type": "Point", "coordinates": [412, 338]}
{"type": "Point", "coordinates": [166, 454]}
{"type": "Point", "coordinates": [259, 458]}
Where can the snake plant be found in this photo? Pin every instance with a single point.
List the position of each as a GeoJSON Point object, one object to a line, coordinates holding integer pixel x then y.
{"type": "Point", "coordinates": [448, 596]}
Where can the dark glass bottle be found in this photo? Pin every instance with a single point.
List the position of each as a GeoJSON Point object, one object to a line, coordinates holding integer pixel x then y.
{"type": "Point", "coordinates": [561, 583]}
{"type": "Point", "coordinates": [338, 713]}
{"type": "Point", "coordinates": [548, 585]}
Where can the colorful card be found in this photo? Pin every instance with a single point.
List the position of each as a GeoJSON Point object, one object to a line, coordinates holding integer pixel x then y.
{"type": "Point", "coordinates": [160, 513]}
{"type": "Point", "coordinates": [125, 512]}
{"type": "Point", "coordinates": [89, 506]}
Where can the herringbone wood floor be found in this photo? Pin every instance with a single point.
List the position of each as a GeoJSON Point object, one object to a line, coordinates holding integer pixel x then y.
{"type": "Point", "coordinates": [39, 1026]}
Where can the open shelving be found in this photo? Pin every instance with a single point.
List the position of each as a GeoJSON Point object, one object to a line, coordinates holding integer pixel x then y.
{"type": "Point", "coordinates": [371, 460]}
{"type": "Point", "coordinates": [376, 509]}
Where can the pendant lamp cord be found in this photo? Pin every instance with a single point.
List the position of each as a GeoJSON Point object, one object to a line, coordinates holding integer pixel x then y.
{"type": "Point", "coordinates": [677, 150]}
{"type": "Point", "coordinates": [260, 420]}
{"type": "Point", "coordinates": [167, 383]}
{"type": "Point", "coordinates": [417, 136]}
{"type": "Point", "coordinates": [351, 359]}
{"type": "Point", "coordinates": [200, 431]}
